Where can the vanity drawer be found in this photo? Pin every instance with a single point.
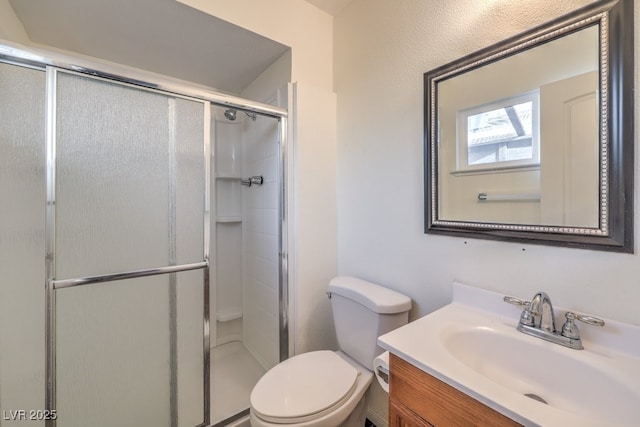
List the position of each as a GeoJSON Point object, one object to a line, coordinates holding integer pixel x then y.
{"type": "Point", "coordinates": [437, 403]}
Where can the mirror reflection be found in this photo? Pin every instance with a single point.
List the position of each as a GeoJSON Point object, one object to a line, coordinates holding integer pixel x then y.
{"type": "Point", "coordinates": [531, 140]}
{"type": "Point", "coordinates": [518, 140]}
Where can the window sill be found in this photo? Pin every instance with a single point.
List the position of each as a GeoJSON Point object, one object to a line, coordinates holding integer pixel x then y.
{"type": "Point", "coordinates": [501, 169]}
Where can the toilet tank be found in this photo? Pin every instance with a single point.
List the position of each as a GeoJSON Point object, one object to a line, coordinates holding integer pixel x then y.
{"type": "Point", "coordinates": [362, 311]}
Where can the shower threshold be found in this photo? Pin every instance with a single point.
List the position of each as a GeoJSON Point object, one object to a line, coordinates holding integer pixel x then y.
{"type": "Point", "coordinates": [234, 373]}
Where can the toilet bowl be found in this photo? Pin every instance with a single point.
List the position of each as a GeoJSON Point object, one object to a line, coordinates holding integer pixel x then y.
{"type": "Point", "coordinates": [320, 388]}
{"type": "Point", "coordinates": [327, 388]}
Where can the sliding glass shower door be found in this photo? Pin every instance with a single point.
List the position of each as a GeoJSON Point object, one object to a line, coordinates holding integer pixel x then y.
{"type": "Point", "coordinates": [128, 254]}
{"type": "Point", "coordinates": [22, 242]}
{"type": "Point", "coordinates": [104, 217]}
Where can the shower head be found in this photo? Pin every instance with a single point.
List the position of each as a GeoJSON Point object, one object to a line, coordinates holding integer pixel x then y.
{"type": "Point", "coordinates": [230, 114]}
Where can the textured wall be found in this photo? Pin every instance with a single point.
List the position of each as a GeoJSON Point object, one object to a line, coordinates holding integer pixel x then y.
{"type": "Point", "coordinates": [381, 50]}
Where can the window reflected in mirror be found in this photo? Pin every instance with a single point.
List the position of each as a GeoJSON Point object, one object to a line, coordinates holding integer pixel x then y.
{"type": "Point", "coordinates": [500, 134]}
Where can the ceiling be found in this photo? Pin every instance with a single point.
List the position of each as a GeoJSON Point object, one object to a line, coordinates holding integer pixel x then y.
{"type": "Point", "coordinates": [332, 7]}
{"type": "Point", "coordinates": [163, 36]}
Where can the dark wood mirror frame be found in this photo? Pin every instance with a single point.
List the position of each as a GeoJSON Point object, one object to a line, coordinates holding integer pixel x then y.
{"type": "Point", "coordinates": [616, 221]}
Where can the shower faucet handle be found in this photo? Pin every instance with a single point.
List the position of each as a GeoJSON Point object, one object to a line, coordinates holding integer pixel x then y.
{"type": "Point", "coordinates": [252, 180]}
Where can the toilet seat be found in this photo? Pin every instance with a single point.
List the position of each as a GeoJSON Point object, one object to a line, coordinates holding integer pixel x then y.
{"type": "Point", "coordinates": [303, 388]}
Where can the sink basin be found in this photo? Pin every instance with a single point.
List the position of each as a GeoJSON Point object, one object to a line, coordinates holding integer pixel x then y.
{"type": "Point", "coordinates": [472, 344]}
{"type": "Point", "coordinates": [569, 380]}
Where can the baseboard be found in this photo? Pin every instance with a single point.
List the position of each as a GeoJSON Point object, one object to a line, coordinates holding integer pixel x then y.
{"type": "Point", "coordinates": [376, 419]}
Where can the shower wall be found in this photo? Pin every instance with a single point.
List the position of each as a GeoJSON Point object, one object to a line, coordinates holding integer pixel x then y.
{"type": "Point", "coordinates": [261, 242]}
{"type": "Point", "coordinates": [226, 295]}
{"type": "Point", "coordinates": [246, 299]}
{"type": "Point", "coordinates": [245, 329]}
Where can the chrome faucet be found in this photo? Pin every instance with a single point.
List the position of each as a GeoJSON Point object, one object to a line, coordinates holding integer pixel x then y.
{"type": "Point", "coordinates": [542, 311]}
{"type": "Point", "coordinates": [537, 319]}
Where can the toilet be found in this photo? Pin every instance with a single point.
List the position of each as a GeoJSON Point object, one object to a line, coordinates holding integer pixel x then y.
{"type": "Point", "coordinates": [327, 388]}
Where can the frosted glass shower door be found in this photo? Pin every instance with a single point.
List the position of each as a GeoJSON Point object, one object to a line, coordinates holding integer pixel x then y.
{"type": "Point", "coordinates": [22, 241]}
{"type": "Point", "coordinates": [129, 255]}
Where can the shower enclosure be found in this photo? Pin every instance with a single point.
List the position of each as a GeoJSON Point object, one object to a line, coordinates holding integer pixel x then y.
{"type": "Point", "coordinates": [141, 282]}
{"type": "Point", "coordinates": [245, 293]}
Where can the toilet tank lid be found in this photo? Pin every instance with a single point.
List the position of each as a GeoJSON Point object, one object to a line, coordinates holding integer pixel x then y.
{"type": "Point", "coordinates": [375, 297]}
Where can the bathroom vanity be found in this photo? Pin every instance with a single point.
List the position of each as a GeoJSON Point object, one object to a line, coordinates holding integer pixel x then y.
{"type": "Point", "coordinates": [466, 364]}
{"type": "Point", "coordinates": [417, 399]}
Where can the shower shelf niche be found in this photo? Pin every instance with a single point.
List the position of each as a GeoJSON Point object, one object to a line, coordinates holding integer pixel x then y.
{"type": "Point", "coordinates": [229, 219]}
{"type": "Point", "coordinates": [229, 314]}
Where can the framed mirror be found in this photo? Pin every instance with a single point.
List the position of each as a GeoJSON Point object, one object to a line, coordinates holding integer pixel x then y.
{"type": "Point", "coordinates": [532, 139]}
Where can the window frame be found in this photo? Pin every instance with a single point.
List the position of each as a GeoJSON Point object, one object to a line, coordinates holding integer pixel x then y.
{"type": "Point", "coordinates": [462, 145]}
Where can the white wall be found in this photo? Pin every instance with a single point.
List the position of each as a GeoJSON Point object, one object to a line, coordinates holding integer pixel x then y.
{"type": "Point", "coordinates": [10, 26]}
{"type": "Point", "coordinates": [382, 49]}
{"type": "Point", "coordinates": [298, 24]}
{"type": "Point", "coordinates": [313, 218]}
{"type": "Point", "coordinates": [267, 84]}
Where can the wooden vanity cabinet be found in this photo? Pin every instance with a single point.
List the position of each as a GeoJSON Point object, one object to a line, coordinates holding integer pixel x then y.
{"type": "Point", "coordinates": [416, 399]}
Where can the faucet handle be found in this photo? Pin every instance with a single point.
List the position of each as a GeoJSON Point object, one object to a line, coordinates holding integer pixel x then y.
{"type": "Point", "coordinates": [590, 320]}
{"type": "Point", "coordinates": [526, 318]}
{"type": "Point", "coordinates": [570, 330]}
{"type": "Point", "coordinates": [516, 301]}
